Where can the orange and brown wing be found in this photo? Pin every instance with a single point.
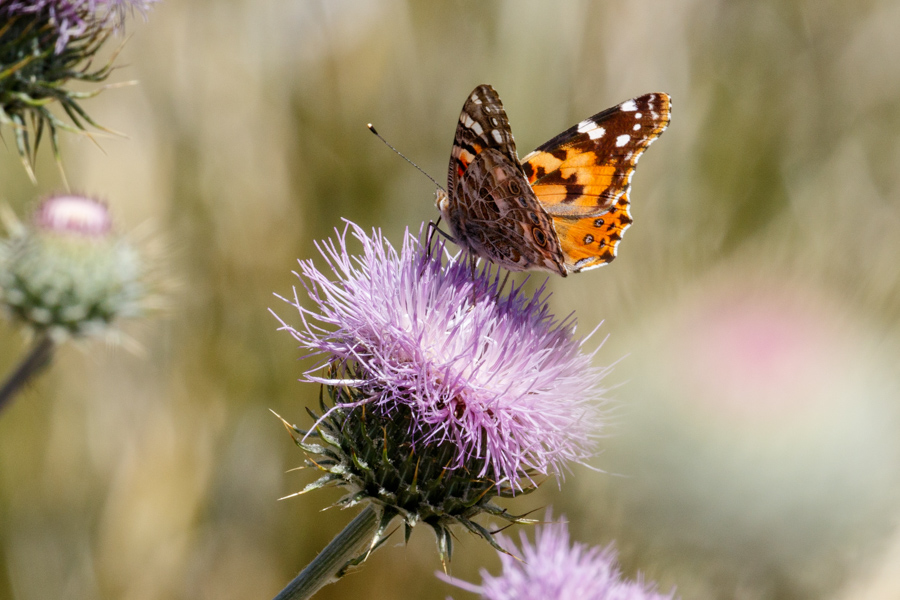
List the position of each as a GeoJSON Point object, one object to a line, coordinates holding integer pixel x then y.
{"type": "Point", "coordinates": [482, 125]}
{"type": "Point", "coordinates": [582, 177]}
{"type": "Point", "coordinates": [584, 170]}
{"type": "Point", "coordinates": [591, 242]}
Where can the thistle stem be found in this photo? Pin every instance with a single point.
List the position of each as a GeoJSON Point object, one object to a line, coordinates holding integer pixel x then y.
{"type": "Point", "coordinates": [38, 358]}
{"type": "Point", "coordinates": [325, 568]}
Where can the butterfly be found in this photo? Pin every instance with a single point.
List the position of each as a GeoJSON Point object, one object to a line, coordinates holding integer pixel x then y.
{"type": "Point", "coordinates": [564, 207]}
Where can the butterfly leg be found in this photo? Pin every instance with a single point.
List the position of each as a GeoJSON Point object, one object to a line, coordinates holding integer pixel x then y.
{"type": "Point", "coordinates": [429, 238]}
{"type": "Point", "coordinates": [433, 227]}
{"type": "Point", "coordinates": [444, 234]}
{"type": "Point", "coordinates": [502, 285]}
{"type": "Point", "coordinates": [473, 267]}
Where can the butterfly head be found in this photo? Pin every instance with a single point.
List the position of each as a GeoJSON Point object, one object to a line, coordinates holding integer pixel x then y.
{"type": "Point", "coordinates": [441, 199]}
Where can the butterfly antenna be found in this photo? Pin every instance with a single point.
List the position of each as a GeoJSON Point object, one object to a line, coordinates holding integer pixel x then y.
{"type": "Point", "coordinates": [401, 155]}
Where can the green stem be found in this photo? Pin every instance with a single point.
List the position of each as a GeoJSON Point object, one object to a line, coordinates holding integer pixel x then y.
{"type": "Point", "coordinates": [37, 359]}
{"type": "Point", "coordinates": [326, 567]}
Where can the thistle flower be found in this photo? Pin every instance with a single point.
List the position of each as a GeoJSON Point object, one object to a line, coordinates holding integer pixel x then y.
{"type": "Point", "coordinates": [45, 44]}
{"type": "Point", "coordinates": [553, 568]}
{"type": "Point", "coordinates": [68, 274]}
{"type": "Point", "coordinates": [444, 391]}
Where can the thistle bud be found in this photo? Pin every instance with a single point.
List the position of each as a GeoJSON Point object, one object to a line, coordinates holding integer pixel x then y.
{"type": "Point", "coordinates": [67, 273]}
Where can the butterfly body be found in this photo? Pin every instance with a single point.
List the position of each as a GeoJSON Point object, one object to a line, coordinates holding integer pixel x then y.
{"type": "Point", "coordinates": [565, 206]}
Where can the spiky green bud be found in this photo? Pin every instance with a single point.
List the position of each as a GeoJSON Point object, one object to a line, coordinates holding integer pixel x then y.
{"type": "Point", "coordinates": [67, 273]}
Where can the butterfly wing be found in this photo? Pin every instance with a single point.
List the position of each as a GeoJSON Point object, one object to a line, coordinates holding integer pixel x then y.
{"type": "Point", "coordinates": [482, 124]}
{"type": "Point", "coordinates": [490, 207]}
{"type": "Point", "coordinates": [585, 169]}
{"type": "Point", "coordinates": [591, 242]}
{"type": "Point", "coordinates": [498, 217]}
{"type": "Point", "coordinates": [582, 177]}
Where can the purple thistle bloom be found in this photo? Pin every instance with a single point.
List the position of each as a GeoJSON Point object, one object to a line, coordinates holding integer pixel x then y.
{"type": "Point", "coordinates": [75, 18]}
{"type": "Point", "coordinates": [494, 374]}
{"type": "Point", "coordinates": [553, 568]}
{"type": "Point", "coordinates": [46, 45]}
{"type": "Point", "coordinates": [114, 12]}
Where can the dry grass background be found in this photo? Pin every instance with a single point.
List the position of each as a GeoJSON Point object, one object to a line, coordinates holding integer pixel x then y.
{"type": "Point", "coordinates": [754, 306]}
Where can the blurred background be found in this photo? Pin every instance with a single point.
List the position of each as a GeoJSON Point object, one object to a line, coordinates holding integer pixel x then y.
{"type": "Point", "coordinates": [753, 313]}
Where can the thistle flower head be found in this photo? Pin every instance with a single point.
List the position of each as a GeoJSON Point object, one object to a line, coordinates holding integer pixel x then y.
{"type": "Point", "coordinates": [44, 45]}
{"type": "Point", "coordinates": [68, 19]}
{"type": "Point", "coordinates": [486, 387]}
{"type": "Point", "coordinates": [554, 568]}
{"type": "Point", "coordinates": [67, 273]}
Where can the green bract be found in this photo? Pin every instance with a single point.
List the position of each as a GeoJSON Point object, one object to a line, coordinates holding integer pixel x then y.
{"type": "Point", "coordinates": [377, 462]}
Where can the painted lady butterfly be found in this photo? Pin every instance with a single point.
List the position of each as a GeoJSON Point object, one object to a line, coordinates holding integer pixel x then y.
{"type": "Point", "coordinates": [564, 207]}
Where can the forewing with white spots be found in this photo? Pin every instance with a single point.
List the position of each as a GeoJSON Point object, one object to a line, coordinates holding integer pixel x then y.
{"type": "Point", "coordinates": [490, 207]}
{"type": "Point", "coordinates": [584, 170]}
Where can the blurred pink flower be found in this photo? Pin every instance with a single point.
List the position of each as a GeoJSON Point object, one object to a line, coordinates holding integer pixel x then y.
{"type": "Point", "coordinates": [755, 350]}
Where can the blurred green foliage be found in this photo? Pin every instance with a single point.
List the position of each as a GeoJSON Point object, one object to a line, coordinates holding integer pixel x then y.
{"type": "Point", "coordinates": [753, 449]}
